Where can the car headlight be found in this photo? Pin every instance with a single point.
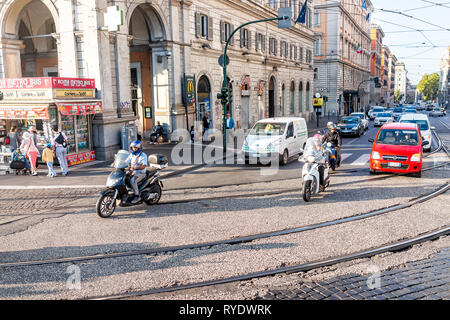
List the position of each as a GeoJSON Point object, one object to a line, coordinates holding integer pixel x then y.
{"type": "Point", "coordinates": [375, 155]}
{"type": "Point", "coordinates": [355, 128]}
{"type": "Point", "coordinates": [415, 157]}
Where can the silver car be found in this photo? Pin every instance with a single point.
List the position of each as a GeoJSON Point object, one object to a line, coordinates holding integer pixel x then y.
{"type": "Point", "coordinates": [436, 112]}
{"type": "Point", "coordinates": [364, 119]}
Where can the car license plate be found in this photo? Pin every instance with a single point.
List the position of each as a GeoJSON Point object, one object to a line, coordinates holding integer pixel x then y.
{"type": "Point", "coordinates": [394, 164]}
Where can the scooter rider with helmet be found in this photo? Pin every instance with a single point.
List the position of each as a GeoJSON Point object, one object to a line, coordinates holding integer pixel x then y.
{"type": "Point", "coordinates": [137, 161]}
{"type": "Point", "coordinates": [334, 137]}
{"type": "Point", "coordinates": [318, 154]}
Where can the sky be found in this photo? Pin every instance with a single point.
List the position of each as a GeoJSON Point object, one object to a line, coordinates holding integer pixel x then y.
{"type": "Point", "coordinates": [421, 51]}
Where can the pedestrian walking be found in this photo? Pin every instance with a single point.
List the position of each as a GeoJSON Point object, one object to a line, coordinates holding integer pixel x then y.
{"type": "Point", "coordinates": [14, 139]}
{"type": "Point", "coordinates": [205, 124]}
{"type": "Point", "coordinates": [230, 127]}
{"type": "Point", "coordinates": [31, 151]}
{"type": "Point", "coordinates": [192, 132]}
{"type": "Point", "coordinates": [60, 145]}
{"type": "Point", "coordinates": [138, 125]}
{"type": "Point", "coordinates": [47, 157]}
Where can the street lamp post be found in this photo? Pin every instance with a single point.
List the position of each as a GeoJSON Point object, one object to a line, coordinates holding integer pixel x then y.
{"type": "Point", "coordinates": [224, 95]}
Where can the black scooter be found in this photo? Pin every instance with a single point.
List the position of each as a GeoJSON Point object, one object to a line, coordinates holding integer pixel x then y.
{"type": "Point", "coordinates": [119, 188]}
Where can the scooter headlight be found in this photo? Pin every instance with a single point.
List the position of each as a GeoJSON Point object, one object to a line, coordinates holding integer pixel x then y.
{"type": "Point", "coordinates": [311, 158]}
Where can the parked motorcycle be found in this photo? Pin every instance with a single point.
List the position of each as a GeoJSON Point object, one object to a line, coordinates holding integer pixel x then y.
{"type": "Point", "coordinates": [310, 172]}
{"type": "Point", "coordinates": [119, 188]}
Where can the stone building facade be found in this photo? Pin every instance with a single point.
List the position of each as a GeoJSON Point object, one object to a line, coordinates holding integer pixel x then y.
{"type": "Point", "coordinates": [140, 69]}
{"type": "Point", "coordinates": [342, 54]}
{"type": "Point", "coordinates": [376, 67]}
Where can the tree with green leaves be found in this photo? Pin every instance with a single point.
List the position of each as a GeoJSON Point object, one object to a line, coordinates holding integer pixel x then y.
{"type": "Point", "coordinates": [429, 86]}
{"type": "Point", "coordinates": [397, 96]}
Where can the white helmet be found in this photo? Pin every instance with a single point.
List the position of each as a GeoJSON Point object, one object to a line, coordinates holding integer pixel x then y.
{"type": "Point", "coordinates": [329, 124]}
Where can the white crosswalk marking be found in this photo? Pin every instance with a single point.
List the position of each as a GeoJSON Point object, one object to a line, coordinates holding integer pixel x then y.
{"type": "Point", "coordinates": [362, 160]}
{"type": "Point", "coordinates": [345, 156]}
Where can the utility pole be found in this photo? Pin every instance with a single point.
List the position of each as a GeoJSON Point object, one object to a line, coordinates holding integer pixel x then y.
{"type": "Point", "coordinates": [224, 96]}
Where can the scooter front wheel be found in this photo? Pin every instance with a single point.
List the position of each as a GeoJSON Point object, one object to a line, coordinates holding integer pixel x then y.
{"type": "Point", "coordinates": [106, 205]}
{"type": "Point", "coordinates": [307, 190]}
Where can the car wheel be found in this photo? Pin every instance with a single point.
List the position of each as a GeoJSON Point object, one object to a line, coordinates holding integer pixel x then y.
{"type": "Point", "coordinates": [285, 157]}
{"type": "Point", "coordinates": [372, 171]}
{"type": "Point", "coordinates": [418, 174]}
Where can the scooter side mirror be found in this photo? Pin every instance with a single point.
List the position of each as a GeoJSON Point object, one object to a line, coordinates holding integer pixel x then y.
{"type": "Point", "coordinates": [371, 140]}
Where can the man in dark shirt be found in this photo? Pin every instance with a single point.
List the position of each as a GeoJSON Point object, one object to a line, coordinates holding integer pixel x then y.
{"type": "Point", "coordinates": [157, 132]}
{"type": "Point", "coordinates": [205, 123]}
{"type": "Point", "coordinates": [334, 137]}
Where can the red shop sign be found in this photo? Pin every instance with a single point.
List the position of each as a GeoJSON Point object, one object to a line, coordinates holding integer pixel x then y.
{"type": "Point", "coordinates": [46, 83]}
{"type": "Point", "coordinates": [80, 108]}
{"type": "Point", "coordinates": [78, 158]}
{"type": "Point", "coordinates": [24, 112]}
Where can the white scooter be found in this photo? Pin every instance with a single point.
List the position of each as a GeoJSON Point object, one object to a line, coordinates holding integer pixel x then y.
{"type": "Point", "coordinates": [310, 171]}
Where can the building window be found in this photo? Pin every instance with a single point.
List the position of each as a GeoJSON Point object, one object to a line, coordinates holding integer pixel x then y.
{"type": "Point", "coordinates": [203, 26]}
{"type": "Point", "coordinates": [273, 46]}
{"type": "Point", "coordinates": [300, 97]}
{"type": "Point", "coordinates": [307, 96]}
{"type": "Point", "coordinates": [316, 74]}
{"type": "Point", "coordinates": [317, 46]}
{"type": "Point", "coordinates": [245, 38]}
{"type": "Point", "coordinates": [283, 96]}
{"type": "Point", "coordinates": [316, 21]}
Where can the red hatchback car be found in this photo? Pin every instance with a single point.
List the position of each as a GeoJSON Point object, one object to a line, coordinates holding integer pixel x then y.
{"type": "Point", "coordinates": [397, 148]}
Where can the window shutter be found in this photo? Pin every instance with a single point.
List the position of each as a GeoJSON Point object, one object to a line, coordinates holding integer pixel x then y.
{"type": "Point", "coordinates": [197, 25]}
{"type": "Point", "coordinates": [249, 39]}
{"type": "Point", "coordinates": [256, 40]}
{"type": "Point", "coordinates": [222, 31]}
{"type": "Point", "coordinates": [263, 46]}
{"type": "Point", "coordinates": [210, 29]}
{"type": "Point", "coordinates": [231, 31]}
{"type": "Point", "coordinates": [241, 37]}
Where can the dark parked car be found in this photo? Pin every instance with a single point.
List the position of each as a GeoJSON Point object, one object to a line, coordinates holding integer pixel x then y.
{"type": "Point", "coordinates": [350, 126]}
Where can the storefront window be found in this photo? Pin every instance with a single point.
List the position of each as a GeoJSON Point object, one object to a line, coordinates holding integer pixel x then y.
{"type": "Point", "coordinates": [68, 127]}
{"type": "Point", "coordinates": [83, 133]}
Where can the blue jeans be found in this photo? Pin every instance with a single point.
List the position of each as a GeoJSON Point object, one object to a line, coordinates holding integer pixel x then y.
{"type": "Point", "coordinates": [61, 153]}
{"type": "Point", "coordinates": [50, 169]}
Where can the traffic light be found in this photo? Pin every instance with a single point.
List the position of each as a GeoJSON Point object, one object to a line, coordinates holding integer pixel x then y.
{"type": "Point", "coordinates": [224, 96]}
{"type": "Point", "coordinates": [375, 80]}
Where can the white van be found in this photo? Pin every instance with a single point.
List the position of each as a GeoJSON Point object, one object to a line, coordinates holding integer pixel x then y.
{"type": "Point", "coordinates": [424, 125]}
{"type": "Point", "coordinates": [276, 137]}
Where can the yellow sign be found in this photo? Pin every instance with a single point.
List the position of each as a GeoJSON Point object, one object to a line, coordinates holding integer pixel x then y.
{"type": "Point", "coordinates": [74, 93]}
{"type": "Point", "coordinates": [317, 102]}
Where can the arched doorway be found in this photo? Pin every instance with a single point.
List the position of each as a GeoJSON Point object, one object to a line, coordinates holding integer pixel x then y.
{"type": "Point", "coordinates": [307, 96]}
{"type": "Point", "coordinates": [283, 100]}
{"type": "Point", "coordinates": [203, 99]}
{"type": "Point", "coordinates": [300, 97]}
{"type": "Point", "coordinates": [29, 33]}
{"type": "Point", "coordinates": [272, 97]}
{"type": "Point", "coordinates": [147, 66]}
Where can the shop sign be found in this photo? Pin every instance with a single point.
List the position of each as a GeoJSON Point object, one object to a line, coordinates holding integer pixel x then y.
{"type": "Point", "coordinates": [46, 83]}
{"type": "Point", "coordinates": [189, 85]}
{"type": "Point", "coordinates": [78, 158]}
{"type": "Point", "coordinates": [80, 108]}
{"type": "Point", "coordinates": [74, 94]}
{"type": "Point", "coordinates": [148, 112]}
{"type": "Point", "coordinates": [24, 112]}
{"type": "Point", "coordinates": [27, 94]}
{"type": "Point", "coordinates": [245, 86]}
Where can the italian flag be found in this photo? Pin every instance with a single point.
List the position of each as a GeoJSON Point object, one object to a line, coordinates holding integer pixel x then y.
{"type": "Point", "coordinates": [358, 50]}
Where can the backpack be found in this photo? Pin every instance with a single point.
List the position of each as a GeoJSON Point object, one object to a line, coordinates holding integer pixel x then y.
{"type": "Point", "coordinates": [60, 140]}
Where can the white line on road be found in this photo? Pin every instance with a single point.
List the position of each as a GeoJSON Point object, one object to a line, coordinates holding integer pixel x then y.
{"type": "Point", "coordinates": [445, 125]}
{"type": "Point", "coordinates": [345, 156]}
{"type": "Point", "coordinates": [361, 160]}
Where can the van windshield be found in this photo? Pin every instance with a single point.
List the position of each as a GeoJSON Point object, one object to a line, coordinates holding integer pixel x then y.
{"type": "Point", "coordinates": [398, 137]}
{"type": "Point", "coordinates": [268, 129]}
{"type": "Point", "coordinates": [423, 124]}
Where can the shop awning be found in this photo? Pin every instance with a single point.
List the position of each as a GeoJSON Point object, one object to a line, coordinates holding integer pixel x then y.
{"type": "Point", "coordinates": [79, 108]}
{"type": "Point", "coordinates": [24, 112]}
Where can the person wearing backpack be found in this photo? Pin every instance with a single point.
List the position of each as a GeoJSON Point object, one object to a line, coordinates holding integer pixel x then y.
{"type": "Point", "coordinates": [60, 144]}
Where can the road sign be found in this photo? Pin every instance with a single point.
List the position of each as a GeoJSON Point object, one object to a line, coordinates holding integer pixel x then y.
{"type": "Point", "coordinates": [317, 102]}
{"type": "Point", "coordinates": [221, 60]}
{"type": "Point", "coordinates": [285, 12]}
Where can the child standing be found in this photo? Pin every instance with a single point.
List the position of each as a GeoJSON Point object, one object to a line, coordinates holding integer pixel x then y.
{"type": "Point", "coordinates": [47, 156]}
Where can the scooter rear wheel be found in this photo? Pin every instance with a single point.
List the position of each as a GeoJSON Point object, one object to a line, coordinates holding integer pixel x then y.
{"type": "Point", "coordinates": [307, 191]}
{"type": "Point", "coordinates": [156, 200]}
{"type": "Point", "coordinates": [104, 206]}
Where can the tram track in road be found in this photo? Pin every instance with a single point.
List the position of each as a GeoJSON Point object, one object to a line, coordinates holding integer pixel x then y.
{"type": "Point", "coordinates": [237, 240]}
{"type": "Point", "coordinates": [45, 211]}
{"type": "Point", "coordinates": [303, 267]}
